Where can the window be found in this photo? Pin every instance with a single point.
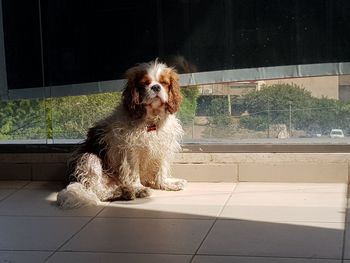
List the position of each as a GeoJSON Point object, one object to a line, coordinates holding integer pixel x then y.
{"type": "Point", "coordinates": [297, 110]}
{"type": "Point", "coordinates": [252, 71]}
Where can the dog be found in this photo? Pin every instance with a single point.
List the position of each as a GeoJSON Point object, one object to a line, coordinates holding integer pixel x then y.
{"type": "Point", "coordinates": [130, 151]}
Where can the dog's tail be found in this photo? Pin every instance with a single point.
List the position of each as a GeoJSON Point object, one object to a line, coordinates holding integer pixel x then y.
{"type": "Point", "coordinates": [76, 195]}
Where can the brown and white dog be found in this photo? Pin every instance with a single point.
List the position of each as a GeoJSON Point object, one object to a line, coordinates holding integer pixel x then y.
{"type": "Point", "coordinates": [131, 150]}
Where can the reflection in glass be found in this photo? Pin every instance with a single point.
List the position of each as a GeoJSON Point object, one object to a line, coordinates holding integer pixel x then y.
{"type": "Point", "coordinates": [60, 42]}
{"type": "Point", "coordinates": [72, 116]}
{"type": "Point", "coordinates": [272, 109]}
{"type": "Point", "coordinates": [23, 120]}
{"type": "Point", "coordinates": [300, 110]}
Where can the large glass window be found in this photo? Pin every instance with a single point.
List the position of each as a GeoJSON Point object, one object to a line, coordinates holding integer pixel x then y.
{"type": "Point", "coordinates": [308, 110]}
{"type": "Point", "coordinates": [253, 71]}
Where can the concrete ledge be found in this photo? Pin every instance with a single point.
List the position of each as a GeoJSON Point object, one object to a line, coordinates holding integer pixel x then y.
{"type": "Point", "coordinates": [203, 167]}
{"type": "Point", "coordinates": [15, 171]}
{"type": "Point", "coordinates": [293, 172]}
{"type": "Point", "coordinates": [206, 172]}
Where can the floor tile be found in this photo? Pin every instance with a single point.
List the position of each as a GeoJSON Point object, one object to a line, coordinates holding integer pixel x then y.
{"type": "Point", "coordinates": [48, 185]}
{"type": "Point", "coordinates": [284, 213]}
{"type": "Point", "coordinates": [347, 242]}
{"type": "Point", "coordinates": [177, 236]}
{"type": "Point", "coordinates": [251, 238]}
{"type": "Point", "coordinates": [37, 233]}
{"type": "Point", "coordinates": [289, 199]}
{"type": "Point", "coordinates": [200, 206]}
{"type": "Point", "coordinates": [195, 188]}
{"type": "Point", "coordinates": [23, 256]}
{"type": "Point", "coordinates": [212, 187]}
{"type": "Point", "coordinates": [261, 223]}
{"type": "Point", "coordinates": [348, 206]}
{"type": "Point", "coordinates": [74, 257]}
{"type": "Point", "coordinates": [12, 184]}
{"type": "Point", "coordinates": [40, 202]}
{"type": "Point", "coordinates": [5, 193]}
{"type": "Point", "coordinates": [237, 259]}
{"type": "Point", "coordinates": [287, 202]}
{"type": "Point", "coordinates": [253, 187]}
{"type": "Point", "coordinates": [198, 200]}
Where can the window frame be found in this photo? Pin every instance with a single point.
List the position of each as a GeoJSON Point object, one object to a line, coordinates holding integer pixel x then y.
{"type": "Point", "coordinates": [4, 93]}
{"type": "Point", "coordinates": [65, 148]}
{"type": "Point", "coordinates": [188, 79]}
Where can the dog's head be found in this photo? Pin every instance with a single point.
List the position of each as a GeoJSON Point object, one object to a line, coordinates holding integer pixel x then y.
{"type": "Point", "coordinates": [153, 86]}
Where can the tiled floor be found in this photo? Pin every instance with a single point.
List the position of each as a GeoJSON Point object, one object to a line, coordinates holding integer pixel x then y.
{"type": "Point", "coordinates": [207, 222]}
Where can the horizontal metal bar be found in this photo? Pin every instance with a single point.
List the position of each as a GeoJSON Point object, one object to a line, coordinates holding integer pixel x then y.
{"type": "Point", "coordinates": [197, 78]}
{"type": "Point", "coordinates": [194, 148]}
{"type": "Point", "coordinates": [266, 148]}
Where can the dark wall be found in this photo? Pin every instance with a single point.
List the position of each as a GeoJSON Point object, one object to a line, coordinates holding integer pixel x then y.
{"type": "Point", "coordinates": [57, 42]}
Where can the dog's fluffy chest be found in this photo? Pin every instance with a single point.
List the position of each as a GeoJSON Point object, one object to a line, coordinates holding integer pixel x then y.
{"type": "Point", "coordinates": [157, 139]}
{"type": "Point", "coordinates": [155, 136]}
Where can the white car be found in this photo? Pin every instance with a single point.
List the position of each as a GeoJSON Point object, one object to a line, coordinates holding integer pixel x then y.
{"type": "Point", "coordinates": [336, 133]}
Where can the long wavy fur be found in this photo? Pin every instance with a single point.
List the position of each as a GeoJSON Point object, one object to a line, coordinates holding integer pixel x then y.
{"type": "Point", "coordinates": [121, 157]}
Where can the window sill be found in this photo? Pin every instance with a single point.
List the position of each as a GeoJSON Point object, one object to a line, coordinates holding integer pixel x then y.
{"type": "Point", "coordinates": [201, 167]}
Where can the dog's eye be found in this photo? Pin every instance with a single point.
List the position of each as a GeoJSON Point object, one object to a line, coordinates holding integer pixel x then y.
{"type": "Point", "coordinates": [165, 82]}
{"type": "Point", "coordinates": [145, 82]}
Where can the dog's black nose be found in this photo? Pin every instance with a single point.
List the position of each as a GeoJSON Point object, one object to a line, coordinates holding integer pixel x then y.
{"type": "Point", "coordinates": [155, 88]}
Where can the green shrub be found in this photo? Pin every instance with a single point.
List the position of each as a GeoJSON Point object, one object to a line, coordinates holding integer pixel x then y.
{"type": "Point", "coordinates": [257, 123]}
{"type": "Point", "coordinates": [189, 104]}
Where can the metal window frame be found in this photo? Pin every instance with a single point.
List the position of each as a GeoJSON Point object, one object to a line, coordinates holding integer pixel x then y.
{"type": "Point", "coordinates": [37, 147]}
{"type": "Point", "coordinates": [3, 73]}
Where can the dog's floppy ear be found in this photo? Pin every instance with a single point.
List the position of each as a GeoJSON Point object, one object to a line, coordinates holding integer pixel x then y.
{"type": "Point", "coordinates": [131, 96]}
{"type": "Point", "coordinates": [175, 97]}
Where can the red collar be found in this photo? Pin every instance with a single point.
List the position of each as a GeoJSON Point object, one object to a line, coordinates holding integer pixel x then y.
{"type": "Point", "coordinates": [151, 127]}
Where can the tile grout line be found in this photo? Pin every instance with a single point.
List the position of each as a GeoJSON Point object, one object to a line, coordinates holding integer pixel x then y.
{"type": "Point", "coordinates": [345, 223]}
{"type": "Point", "coordinates": [16, 190]}
{"type": "Point", "coordinates": [223, 207]}
{"type": "Point", "coordinates": [269, 256]}
{"type": "Point", "coordinates": [77, 232]}
{"type": "Point", "coordinates": [115, 252]}
{"type": "Point", "coordinates": [216, 219]}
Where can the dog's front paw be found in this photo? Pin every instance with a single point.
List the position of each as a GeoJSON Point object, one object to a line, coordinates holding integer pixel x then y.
{"type": "Point", "coordinates": [128, 193]}
{"type": "Point", "coordinates": [173, 184]}
{"type": "Point", "coordinates": [143, 192]}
